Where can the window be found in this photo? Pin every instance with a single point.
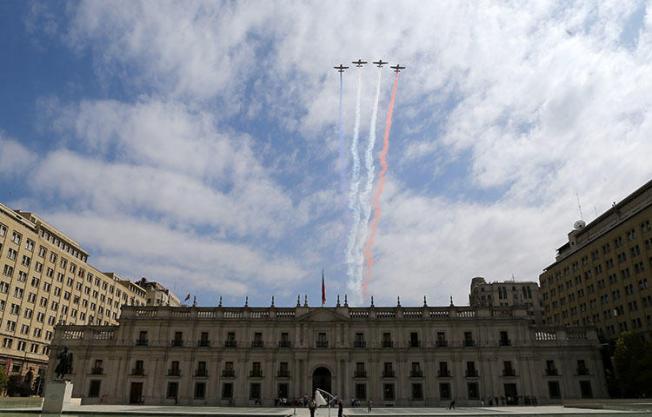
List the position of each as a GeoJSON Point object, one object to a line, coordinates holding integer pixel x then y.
{"type": "Point", "coordinates": [473, 391]}
{"type": "Point", "coordinates": [139, 368]}
{"type": "Point", "coordinates": [388, 370]}
{"type": "Point", "coordinates": [283, 370]}
{"type": "Point", "coordinates": [468, 339]}
{"type": "Point", "coordinates": [173, 390]}
{"type": "Point", "coordinates": [414, 339]}
{"type": "Point", "coordinates": [15, 237]}
{"type": "Point", "coordinates": [417, 392]}
{"type": "Point", "coordinates": [443, 370]}
{"type": "Point", "coordinates": [3, 230]}
{"type": "Point", "coordinates": [322, 341]}
{"type": "Point", "coordinates": [254, 391]}
{"type": "Point", "coordinates": [387, 340]}
{"type": "Point", "coordinates": [256, 370]}
{"type": "Point", "coordinates": [285, 340]}
{"type": "Point", "coordinates": [203, 339]}
{"type": "Point", "coordinates": [471, 371]}
{"type": "Point", "coordinates": [388, 392]}
{"type": "Point", "coordinates": [360, 371]}
{"type": "Point", "coordinates": [258, 340]}
{"type": "Point", "coordinates": [361, 392]}
{"type": "Point", "coordinates": [359, 341]}
{"type": "Point", "coordinates": [441, 339]}
{"type": "Point", "coordinates": [415, 371]}
{"type": "Point", "coordinates": [201, 369]}
{"type": "Point", "coordinates": [508, 370]}
{"type": "Point", "coordinates": [445, 391]}
{"type": "Point", "coordinates": [94, 388]}
{"type": "Point", "coordinates": [174, 369]}
{"type": "Point", "coordinates": [553, 390]}
{"type": "Point", "coordinates": [504, 339]}
{"type": "Point", "coordinates": [227, 390]}
{"type": "Point", "coordinates": [200, 390]}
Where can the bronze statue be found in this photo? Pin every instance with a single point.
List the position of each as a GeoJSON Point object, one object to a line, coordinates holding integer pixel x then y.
{"type": "Point", "coordinates": [65, 363]}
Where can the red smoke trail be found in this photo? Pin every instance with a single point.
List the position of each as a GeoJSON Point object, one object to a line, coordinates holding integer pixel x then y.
{"type": "Point", "coordinates": [368, 247]}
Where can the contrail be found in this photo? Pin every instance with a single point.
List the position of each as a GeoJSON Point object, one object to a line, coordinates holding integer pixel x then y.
{"type": "Point", "coordinates": [354, 198]}
{"type": "Point", "coordinates": [365, 198]}
{"type": "Point", "coordinates": [368, 247]}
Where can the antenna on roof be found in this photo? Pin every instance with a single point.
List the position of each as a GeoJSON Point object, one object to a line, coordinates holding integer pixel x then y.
{"type": "Point", "coordinates": [579, 206]}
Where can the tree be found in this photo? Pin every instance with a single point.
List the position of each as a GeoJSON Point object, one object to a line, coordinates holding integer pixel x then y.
{"type": "Point", "coordinates": [4, 379]}
{"type": "Point", "coordinates": [633, 363]}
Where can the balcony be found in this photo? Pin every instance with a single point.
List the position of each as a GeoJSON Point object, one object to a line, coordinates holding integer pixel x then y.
{"type": "Point", "coordinates": [414, 343]}
{"type": "Point", "coordinates": [388, 344]}
{"type": "Point", "coordinates": [321, 344]}
{"type": "Point", "coordinates": [257, 344]}
{"type": "Point", "coordinates": [441, 343]}
{"type": "Point", "coordinates": [471, 373]}
{"type": "Point", "coordinates": [174, 372]}
{"type": "Point", "coordinates": [230, 344]}
{"type": "Point", "coordinates": [388, 373]}
{"type": "Point", "coordinates": [204, 343]}
{"type": "Point", "coordinates": [444, 373]}
{"type": "Point", "coordinates": [228, 373]}
{"type": "Point", "coordinates": [469, 343]}
{"type": "Point", "coordinates": [138, 372]}
{"type": "Point", "coordinates": [416, 373]}
{"type": "Point", "coordinates": [582, 371]}
{"type": "Point", "coordinates": [202, 373]}
{"type": "Point", "coordinates": [256, 373]}
{"type": "Point", "coordinates": [284, 344]}
{"type": "Point", "coordinates": [176, 342]}
{"type": "Point", "coordinates": [142, 342]}
{"type": "Point", "coordinates": [97, 371]}
{"type": "Point", "coordinates": [504, 342]}
{"type": "Point", "coordinates": [359, 344]}
{"type": "Point", "coordinates": [509, 372]}
{"type": "Point", "coordinates": [283, 373]}
{"type": "Point", "coordinates": [359, 374]}
{"type": "Point", "coordinates": [551, 372]}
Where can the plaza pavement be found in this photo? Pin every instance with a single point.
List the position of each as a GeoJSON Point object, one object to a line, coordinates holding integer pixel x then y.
{"type": "Point", "coordinates": [143, 410]}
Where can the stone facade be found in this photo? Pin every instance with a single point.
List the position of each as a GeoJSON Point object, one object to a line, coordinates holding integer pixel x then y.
{"type": "Point", "coordinates": [402, 356]}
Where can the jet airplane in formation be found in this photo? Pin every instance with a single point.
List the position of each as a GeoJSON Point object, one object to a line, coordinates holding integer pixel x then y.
{"type": "Point", "coordinates": [341, 68]}
{"type": "Point", "coordinates": [359, 63]}
{"type": "Point", "coordinates": [380, 63]}
{"type": "Point", "coordinates": [397, 68]}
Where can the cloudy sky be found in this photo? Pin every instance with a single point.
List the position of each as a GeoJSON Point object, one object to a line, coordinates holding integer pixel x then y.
{"type": "Point", "coordinates": [196, 143]}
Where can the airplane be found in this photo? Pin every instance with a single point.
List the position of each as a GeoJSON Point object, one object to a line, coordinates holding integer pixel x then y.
{"type": "Point", "coordinates": [380, 63]}
{"type": "Point", "coordinates": [359, 63]}
{"type": "Point", "coordinates": [397, 68]}
{"type": "Point", "coordinates": [341, 68]}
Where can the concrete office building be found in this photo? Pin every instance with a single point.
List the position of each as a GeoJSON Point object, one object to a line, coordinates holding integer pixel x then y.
{"type": "Point", "coordinates": [44, 280]}
{"type": "Point", "coordinates": [507, 294]}
{"type": "Point", "coordinates": [603, 275]}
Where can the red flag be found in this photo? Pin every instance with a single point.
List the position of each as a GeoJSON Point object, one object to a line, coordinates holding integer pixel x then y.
{"type": "Point", "coordinates": [323, 289]}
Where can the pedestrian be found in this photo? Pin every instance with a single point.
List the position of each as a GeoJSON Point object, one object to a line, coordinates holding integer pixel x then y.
{"type": "Point", "coordinates": [452, 405]}
{"type": "Point", "coordinates": [312, 406]}
{"type": "Point", "coordinates": [369, 405]}
{"type": "Point", "coordinates": [340, 409]}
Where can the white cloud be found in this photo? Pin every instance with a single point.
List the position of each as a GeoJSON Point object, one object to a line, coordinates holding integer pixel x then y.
{"type": "Point", "coordinates": [542, 101]}
{"type": "Point", "coordinates": [15, 159]}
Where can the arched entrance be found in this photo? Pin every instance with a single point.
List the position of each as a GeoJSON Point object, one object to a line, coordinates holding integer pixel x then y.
{"type": "Point", "coordinates": [321, 378]}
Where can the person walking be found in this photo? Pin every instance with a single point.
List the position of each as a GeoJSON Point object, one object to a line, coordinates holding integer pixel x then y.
{"type": "Point", "coordinates": [312, 406]}
{"type": "Point", "coordinates": [340, 409]}
{"type": "Point", "coordinates": [452, 405]}
{"type": "Point", "coordinates": [369, 404]}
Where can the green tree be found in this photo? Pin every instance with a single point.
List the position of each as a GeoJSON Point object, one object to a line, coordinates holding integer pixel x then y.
{"type": "Point", "coordinates": [633, 363]}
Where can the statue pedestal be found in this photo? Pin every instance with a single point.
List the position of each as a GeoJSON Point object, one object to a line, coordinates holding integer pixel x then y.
{"type": "Point", "coordinates": [57, 395]}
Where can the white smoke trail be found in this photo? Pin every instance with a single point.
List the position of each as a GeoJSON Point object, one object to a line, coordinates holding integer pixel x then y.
{"type": "Point", "coordinates": [365, 197]}
{"type": "Point", "coordinates": [354, 198]}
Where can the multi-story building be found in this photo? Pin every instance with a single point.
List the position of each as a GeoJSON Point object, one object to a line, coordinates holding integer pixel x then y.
{"type": "Point", "coordinates": [402, 356]}
{"type": "Point", "coordinates": [45, 280]}
{"type": "Point", "coordinates": [507, 294]}
{"type": "Point", "coordinates": [157, 294]}
{"type": "Point", "coordinates": [602, 275]}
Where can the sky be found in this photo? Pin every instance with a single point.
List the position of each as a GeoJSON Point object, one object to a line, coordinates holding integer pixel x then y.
{"type": "Point", "coordinates": [197, 143]}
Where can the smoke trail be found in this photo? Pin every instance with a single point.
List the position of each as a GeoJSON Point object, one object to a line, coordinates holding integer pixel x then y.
{"type": "Point", "coordinates": [354, 202]}
{"type": "Point", "coordinates": [368, 247]}
{"type": "Point", "coordinates": [365, 197]}
{"type": "Point", "coordinates": [342, 142]}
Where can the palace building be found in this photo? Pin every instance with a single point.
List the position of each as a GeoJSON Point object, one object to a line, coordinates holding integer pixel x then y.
{"type": "Point", "coordinates": [394, 356]}
{"type": "Point", "coordinates": [603, 275]}
{"type": "Point", "coordinates": [44, 280]}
